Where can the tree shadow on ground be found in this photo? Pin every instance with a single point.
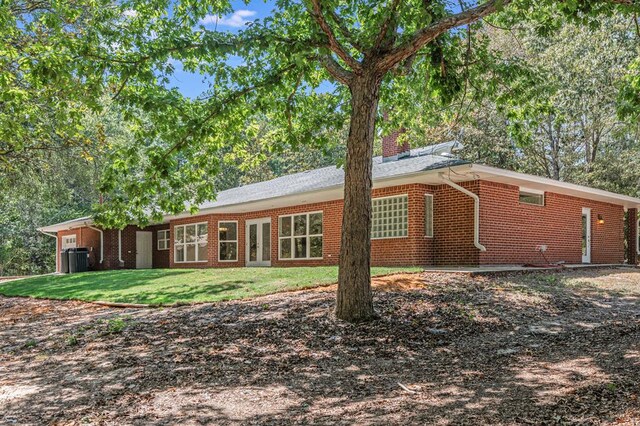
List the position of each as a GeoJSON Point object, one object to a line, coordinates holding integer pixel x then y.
{"type": "Point", "coordinates": [487, 350]}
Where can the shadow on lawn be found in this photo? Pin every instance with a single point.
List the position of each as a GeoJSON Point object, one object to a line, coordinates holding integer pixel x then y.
{"type": "Point", "coordinates": [483, 351]}
{"type": "Point", "coordinates": [121, 286]}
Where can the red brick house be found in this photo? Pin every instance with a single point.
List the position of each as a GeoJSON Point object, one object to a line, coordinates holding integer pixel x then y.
{"type": "Point", "coordinates": [429, 208]}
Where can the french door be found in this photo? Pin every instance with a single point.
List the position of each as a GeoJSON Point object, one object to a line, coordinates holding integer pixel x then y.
{"type": "Point", "coordinates": [258, 242]}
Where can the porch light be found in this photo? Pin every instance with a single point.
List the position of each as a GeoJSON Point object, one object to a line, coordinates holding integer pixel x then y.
{"type": "Point", "coordinates": [600, 220]}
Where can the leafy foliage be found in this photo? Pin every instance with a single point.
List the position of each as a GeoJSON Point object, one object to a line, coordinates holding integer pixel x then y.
{"type": "Point", "coordinates": [568, 128]}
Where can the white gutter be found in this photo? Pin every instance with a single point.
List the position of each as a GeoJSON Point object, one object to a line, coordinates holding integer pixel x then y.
{"type": "Point", "coordinates": [57, 254]}
{"type": "Point", "coordinates": [120, 261]}
{"type": "Point", "coordinates": [101, 241]}
{"type": "Point", "coordinates": [476, 210]}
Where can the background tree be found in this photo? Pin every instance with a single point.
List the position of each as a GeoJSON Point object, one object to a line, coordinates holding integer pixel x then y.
{"type": "Point", "coordinates": [570, 127]}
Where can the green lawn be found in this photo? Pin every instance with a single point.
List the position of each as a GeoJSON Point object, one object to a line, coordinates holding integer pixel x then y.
{"type": "Point", "coordinates": [165, 286]}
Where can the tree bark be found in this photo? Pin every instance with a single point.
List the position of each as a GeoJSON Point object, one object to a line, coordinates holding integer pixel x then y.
{"type": "Point", "coordinates": [354, 301]}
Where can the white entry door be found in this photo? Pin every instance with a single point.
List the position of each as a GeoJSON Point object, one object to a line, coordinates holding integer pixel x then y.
{"type": "Point", "coordinates": [144, 250]}
{"type": "Point", "coordinates": [586, 235]}
{"type": "Point", "coordinates": [258, 242]}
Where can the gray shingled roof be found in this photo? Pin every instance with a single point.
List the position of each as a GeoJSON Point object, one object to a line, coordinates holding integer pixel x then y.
{"type": "Point", "coordinates": [419, 160]}
{"type": "Point", "coordinates": [327, 177]}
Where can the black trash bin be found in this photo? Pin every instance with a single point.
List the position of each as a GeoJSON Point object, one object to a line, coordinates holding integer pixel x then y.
{"type": "Point", "coordinates": [78, 259]}
{"type": "Point", "coordinates": [82, 259]}
{"type": "Point", "coordinates": [64, 261]}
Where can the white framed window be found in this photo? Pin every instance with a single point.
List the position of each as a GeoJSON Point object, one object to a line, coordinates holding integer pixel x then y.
{"type": "Point", "coordinates": [300, 236]}
{"type": "Point", "coordinates": [390, 217]}
{"type": "Point", "coordinates": [163, 239]}
{"type": "Point", "coordinates": [191, 242]}
{"type": "Point", "coordinates": [531, 196]}
{"type": "Point", "coordinates": [428, 215]}
{"type": "Point", "coordinates": [228, 241]}
{"type": "Point", "coordinates": [69, 241]}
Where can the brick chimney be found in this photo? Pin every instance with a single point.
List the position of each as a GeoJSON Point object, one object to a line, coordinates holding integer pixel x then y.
{"type": "Point", "coordinates": [390, 149]}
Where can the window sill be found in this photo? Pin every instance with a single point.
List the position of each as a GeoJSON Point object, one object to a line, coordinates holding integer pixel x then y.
{"type": "Point", "coordinates": [522, 203]}
{"type": "Point", "coordinates": [390, 238]}
{"type": "Point", "coordinates": [301, 258]}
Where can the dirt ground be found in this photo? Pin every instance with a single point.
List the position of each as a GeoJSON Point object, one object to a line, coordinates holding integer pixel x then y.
{"type": "Point", "coordinates": [542, 348]}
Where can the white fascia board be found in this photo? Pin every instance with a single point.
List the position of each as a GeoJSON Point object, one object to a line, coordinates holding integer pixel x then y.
{"type": "Point", "coordinates": [545, 184]}
{"type": "Point", "coordinates": [70, 224]}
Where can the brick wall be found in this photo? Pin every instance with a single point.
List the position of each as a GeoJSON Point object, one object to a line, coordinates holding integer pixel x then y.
{"type": "Point", "coordinates": [511, 230]}
{"type": "Point", "coordinates": [453, 226]}
{"type": "Point", "coordinates": [415, 249]}
{"type": "Point", "coordinates": [90, 238]}
{"type": "Point", "coordinates": [160, 257]}
{"type": "Point", "coordinates": [85, 237]}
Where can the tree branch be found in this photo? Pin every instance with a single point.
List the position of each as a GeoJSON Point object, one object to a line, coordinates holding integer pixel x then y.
{"type": "Point", "coordinates": [271, 79]}
{"type": "Point", "coordinates": [346, 33]}
{"type": "Point", "coordinates": [334, 44]}
{"type": "Point", "coordinates": [421, 37]}
{"type": "Point", "coordinates": [336, 70]}
{"type": "Point", "coordinates": [385, 25]}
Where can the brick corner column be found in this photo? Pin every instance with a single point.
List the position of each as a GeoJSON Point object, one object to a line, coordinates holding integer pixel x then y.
{"type": "Point", "coordinates": [632, 236]}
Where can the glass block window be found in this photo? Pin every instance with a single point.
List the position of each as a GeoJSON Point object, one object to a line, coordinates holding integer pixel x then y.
{"type": "Point", "coordinates": [428, 215]}
{"type": "Point", "coordinates": [390, 217]}
{"type": "Point", "coordinates": [191, 242]}
{"type": "Point", "coordinates": [300, 236]}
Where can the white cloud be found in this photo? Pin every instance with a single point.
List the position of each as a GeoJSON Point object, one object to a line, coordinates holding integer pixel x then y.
{"type": "Point", "coordinates": [130, 13]}
{"type": "Point", "coordinates": [236, 20]}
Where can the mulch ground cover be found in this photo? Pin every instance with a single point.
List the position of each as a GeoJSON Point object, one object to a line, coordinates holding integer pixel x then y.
{"type": "Point", "coordinates": [540, 348]}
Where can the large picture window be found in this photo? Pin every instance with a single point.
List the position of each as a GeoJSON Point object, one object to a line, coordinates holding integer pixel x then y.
{"type": "Point", "coordinates": [390, 218]}
{"type": "Point", "coordinates": [163, 239]}
{"type": "Point", "coordinates": [300, 236]}
{"type": "Point", "coordinates": [191, 242]}
{"type": "Point", "coordinates": [227, 241]}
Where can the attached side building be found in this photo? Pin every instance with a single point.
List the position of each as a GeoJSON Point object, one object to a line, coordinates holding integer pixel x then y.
{"type": "Point", "coordinates": [428, 209]}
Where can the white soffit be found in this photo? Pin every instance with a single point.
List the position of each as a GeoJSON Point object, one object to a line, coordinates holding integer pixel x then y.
{"type": "Point", "coordinates": [538, 183]}
{"type": "Point", "coordinates": [70, 224]}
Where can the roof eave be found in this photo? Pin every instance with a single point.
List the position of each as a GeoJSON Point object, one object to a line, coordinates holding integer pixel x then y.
{"type": "Point", "coordinates": [566, 188]}
{"type": "Point", "coordinates": [66, 226]}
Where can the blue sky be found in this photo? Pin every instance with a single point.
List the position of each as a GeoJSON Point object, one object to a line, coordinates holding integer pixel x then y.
{"type": "Point", "coordinates": [193, 85]}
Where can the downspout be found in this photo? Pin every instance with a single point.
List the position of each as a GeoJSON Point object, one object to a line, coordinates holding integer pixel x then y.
{"type": "Point", "coordinates": [101, 241]}
{"type": "Point", "coordinates": [476, 210]}
{"type": "Point", "coordinates": [57, 254]}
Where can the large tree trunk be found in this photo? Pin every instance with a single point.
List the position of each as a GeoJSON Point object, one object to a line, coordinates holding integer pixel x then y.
{"type": "Point", "coordinates": [354, 300]}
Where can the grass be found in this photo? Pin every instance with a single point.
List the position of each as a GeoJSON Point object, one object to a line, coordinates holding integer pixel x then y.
{"type": "Point", "coordinates": [165, 286]}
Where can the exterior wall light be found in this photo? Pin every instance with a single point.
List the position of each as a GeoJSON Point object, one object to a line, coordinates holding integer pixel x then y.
{"type": "Point", "coordinates": [600, 220]}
